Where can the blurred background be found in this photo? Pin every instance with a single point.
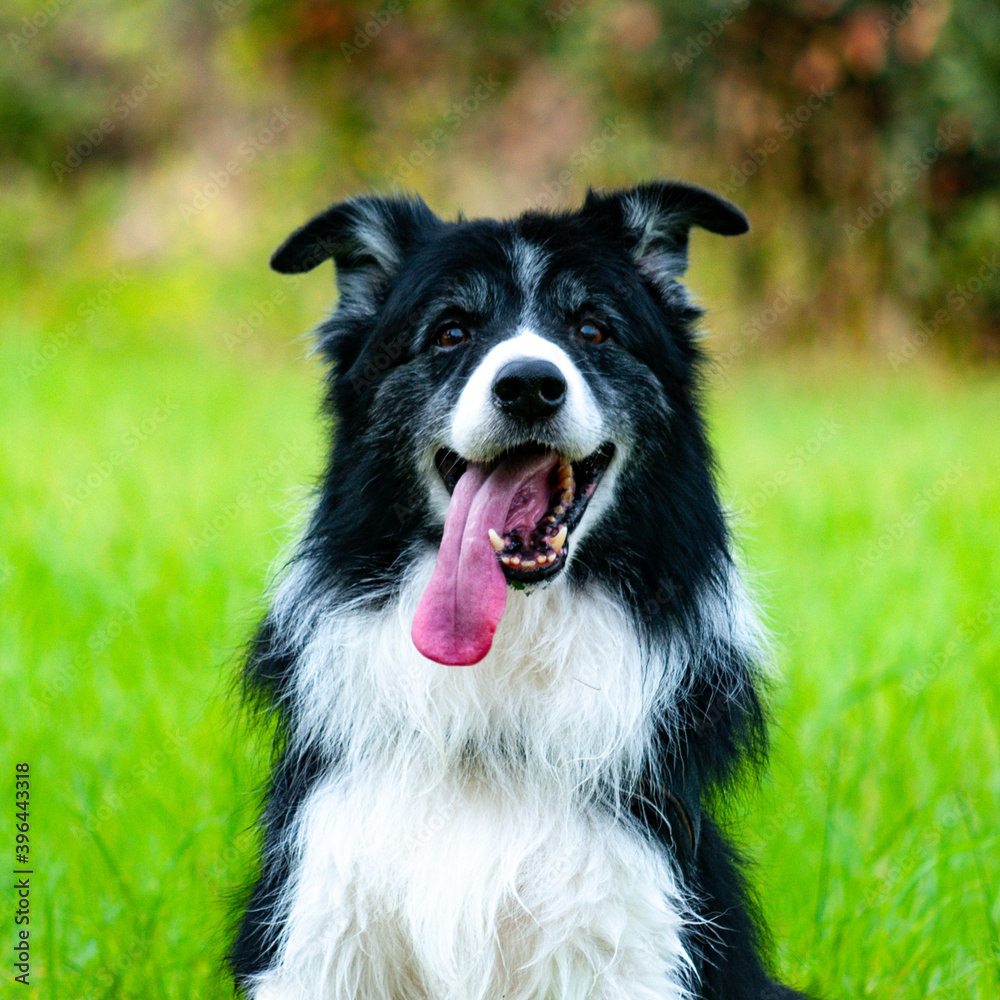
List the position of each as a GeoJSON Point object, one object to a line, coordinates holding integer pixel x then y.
{"type": "Point", "coordinates": [159, 429]}
{"type": "Point", "coordinates": [863, 138]}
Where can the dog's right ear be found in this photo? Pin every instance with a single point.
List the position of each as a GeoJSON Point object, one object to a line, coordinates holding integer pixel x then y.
{"type": "Point", "coordinates": [366, 237]}
{"type": "Point", "coordinates": [654, 219]}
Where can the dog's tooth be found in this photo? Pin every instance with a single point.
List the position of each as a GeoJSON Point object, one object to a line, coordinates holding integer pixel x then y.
{"type": "Point", "coordinates": [557, 541]}
{"type": "Point", "coordinates": [528, 564]}
{"type": "Point", "coordinates": [496, 541]}
{"type": "Point", "coordinates": [515, 561]}
{"type": "Point", "coordinates": [559, 511]}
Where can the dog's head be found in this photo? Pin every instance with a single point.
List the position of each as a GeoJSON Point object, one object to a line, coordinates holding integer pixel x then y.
{"type": "Point", "coordinates": [497, 384]}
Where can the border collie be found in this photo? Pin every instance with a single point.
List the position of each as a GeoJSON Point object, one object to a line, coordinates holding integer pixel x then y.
{"type": "Point", "coordinates": [511, 659]}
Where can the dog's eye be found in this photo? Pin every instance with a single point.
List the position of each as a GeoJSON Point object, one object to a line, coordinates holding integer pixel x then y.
{"type": "Point", "coordinates": [451, 335]}
{"type": "Point", "coordinates": [592, 333]}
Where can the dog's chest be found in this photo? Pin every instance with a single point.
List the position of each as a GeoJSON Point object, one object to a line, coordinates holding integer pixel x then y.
{"type": "Point", "coordinates": [450, 892]}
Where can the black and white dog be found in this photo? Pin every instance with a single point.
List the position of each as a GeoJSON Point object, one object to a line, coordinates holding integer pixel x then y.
{"type": "Point", "coordinates": [512, 659]}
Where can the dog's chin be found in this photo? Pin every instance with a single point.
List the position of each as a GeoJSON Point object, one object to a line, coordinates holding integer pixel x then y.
{"type": "Point", "coordinates": [533, 544]}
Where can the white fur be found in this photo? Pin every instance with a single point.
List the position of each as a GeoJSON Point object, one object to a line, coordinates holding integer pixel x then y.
{"type": "Point", "coordinates": [476, 424]}
{"type": "Point", "coordinates": [460, 850]}
{"type": "Point", "coordinates": [456, 893]}
{"type": "Point", "coordinates": [651, 226]}
{"type": "Point", "coordinates": [567, 680]}
{"type": "Point", "coordinates": [529, 262]}
{"type": "Point", "coordinates": [374, 228]}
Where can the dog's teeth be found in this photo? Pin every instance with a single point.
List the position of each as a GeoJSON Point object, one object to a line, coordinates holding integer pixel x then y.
{"type": "Point", "coordinates": [528, 564]}
{"type": "Point", "coordinates": [557, 541]}
{"type": "Point", "coordinates": [496, 541]}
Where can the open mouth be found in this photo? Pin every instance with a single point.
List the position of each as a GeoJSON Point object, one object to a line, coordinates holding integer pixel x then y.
{"type": "Point", "coordinates": [508, 522]}
{"type": "Point", "coordinates": [531, 544]}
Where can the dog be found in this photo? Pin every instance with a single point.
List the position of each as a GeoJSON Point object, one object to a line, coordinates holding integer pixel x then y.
{"type": "Point", "coordinates": [512, 661]}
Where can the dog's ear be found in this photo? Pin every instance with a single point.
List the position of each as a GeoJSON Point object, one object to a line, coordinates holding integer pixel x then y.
{"type": "Point", "coordinates": [654, 221]}
{"type": "Point", "coordinates": [366, 237]}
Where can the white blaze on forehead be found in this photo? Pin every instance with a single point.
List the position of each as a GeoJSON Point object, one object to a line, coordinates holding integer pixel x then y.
{"type": "Point", "coordinates": [529, 262]}
{"type": "Point", "coordinates": [478, 427]}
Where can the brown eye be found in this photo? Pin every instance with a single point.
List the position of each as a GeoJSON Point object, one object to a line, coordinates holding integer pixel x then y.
{"type": "Point", "coordinates": [451, 336]}
{"type": "Point", "coordinates": [591, 333]}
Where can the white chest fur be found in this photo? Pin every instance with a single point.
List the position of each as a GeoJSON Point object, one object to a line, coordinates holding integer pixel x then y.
{"type": "Point", "coordinates": [456, 852]}
{"type": "Point", "coordinates": [454, 894]}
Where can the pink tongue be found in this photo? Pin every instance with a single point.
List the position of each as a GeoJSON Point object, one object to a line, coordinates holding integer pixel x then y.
{"type": "Point", "coordinates": [465, 599]}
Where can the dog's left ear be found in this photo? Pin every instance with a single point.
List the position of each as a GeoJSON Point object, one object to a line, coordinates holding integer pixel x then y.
{"type": "Point", "coordinates": [654, 221]}
{"type": "Point", "coordinates": [367, 238]}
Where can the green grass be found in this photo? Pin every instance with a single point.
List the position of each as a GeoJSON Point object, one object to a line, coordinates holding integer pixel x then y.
{"type": "Point", "coordinates": [151, 470]}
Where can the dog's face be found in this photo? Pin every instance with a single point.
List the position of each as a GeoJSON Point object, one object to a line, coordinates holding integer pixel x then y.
{"type": "Point", "coordinates": [504, 381]}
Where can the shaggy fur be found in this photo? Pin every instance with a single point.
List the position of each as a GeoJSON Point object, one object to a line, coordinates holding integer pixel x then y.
{"type": "Point", "coordinates": [535, 826]}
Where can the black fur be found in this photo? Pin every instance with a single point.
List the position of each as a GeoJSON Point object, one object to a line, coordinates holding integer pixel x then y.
{"type": "Point", "coordinates": [401, 269]}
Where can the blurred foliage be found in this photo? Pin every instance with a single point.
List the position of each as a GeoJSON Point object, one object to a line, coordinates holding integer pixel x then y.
{"type": "Point", "coordinates": [863, 138]}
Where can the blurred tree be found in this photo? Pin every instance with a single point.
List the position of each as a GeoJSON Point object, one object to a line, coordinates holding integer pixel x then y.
{"type": "Point", "coordinates": [864, 138]}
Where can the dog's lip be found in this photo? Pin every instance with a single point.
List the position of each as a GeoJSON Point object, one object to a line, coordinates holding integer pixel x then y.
{"type": "Point", "coordinates": [544, 553]}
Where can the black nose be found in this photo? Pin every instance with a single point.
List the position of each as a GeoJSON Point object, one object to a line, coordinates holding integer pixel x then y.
{"type": "Point", "coordinates": [529, 389]}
